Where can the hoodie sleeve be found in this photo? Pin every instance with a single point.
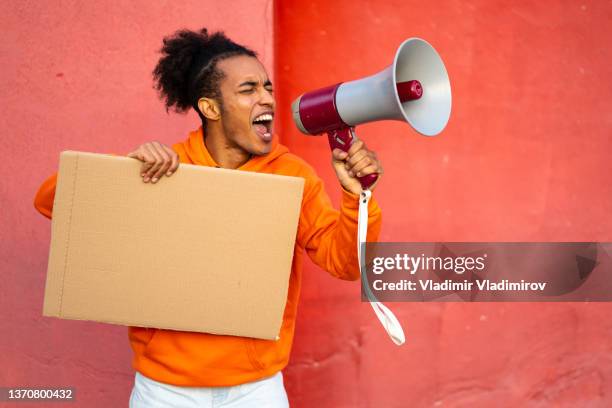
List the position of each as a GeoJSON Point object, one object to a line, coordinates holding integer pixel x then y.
{"type": "Point", "coordinates": [43, 201]}
{"type": "Point", "coordinates": [330, 236]}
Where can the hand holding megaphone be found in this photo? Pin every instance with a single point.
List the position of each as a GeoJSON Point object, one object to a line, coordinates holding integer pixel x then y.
{"type": "Point", "coordinates": [355, 165]}
{"type": "Point", "coordinates": [414, 89]}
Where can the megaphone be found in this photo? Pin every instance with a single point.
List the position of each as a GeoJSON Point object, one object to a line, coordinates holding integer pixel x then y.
{"type": "Point", "coordinates": [414, 89]}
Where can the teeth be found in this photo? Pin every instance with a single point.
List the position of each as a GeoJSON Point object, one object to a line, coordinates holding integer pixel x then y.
{"type": "Point", "coordinates": [263, 118]}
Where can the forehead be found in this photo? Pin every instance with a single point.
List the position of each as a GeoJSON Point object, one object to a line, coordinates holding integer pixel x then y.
{"type": "Point", "coordinates": [242, 68]}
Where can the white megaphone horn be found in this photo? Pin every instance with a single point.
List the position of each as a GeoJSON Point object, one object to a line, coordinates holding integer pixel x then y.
{"type": "Point", "coordinates": [414, 89]}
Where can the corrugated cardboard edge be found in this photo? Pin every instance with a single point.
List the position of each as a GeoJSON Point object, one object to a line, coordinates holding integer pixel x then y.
{"type": "Point", "coordinates": [58, 254]}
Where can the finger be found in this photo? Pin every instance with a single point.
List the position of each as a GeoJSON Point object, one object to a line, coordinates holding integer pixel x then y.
{"type": "Point", "coordinates": [138, 155]}
{"type": "Point", "coordinates": [175, 160]}
{"type": "Point", "coordinates": [145, 157]}
{"type": "Point", "coordinates": [371, 169]}
{"type": "Point", "coordinates": [355, 147]}
{"type": "Point", "coordinates": [362, 164]}
{"type": "Point", "coordinates": [375, 160]}
{"type": "Point", "coordinates": [355, 158]}
{"type": "Point", "coordinates": [157, 162]}
{"type": "Point", "coordinates": [339, 154]}
{"type": "Point", "coordinates": [135, 155]}
{"type": "Point", "coordinates": [148, 162]}
{"type": "Point", "coordinates": [166, 161]}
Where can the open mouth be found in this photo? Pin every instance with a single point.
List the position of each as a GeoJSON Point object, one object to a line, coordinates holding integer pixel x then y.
{"type": "Point", "coordinates": [263, 126]}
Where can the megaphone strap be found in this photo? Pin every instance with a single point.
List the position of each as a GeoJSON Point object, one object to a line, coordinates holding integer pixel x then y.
{"type": "Point", "coordinates": [390, 323]}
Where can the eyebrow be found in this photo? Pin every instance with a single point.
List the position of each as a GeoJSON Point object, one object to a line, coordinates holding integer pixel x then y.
{"type": "Point", "coordinates": [253, 83]}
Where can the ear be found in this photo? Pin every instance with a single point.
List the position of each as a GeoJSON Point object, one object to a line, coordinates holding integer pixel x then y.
{"type": "Point", "coordinates": [209, 108]}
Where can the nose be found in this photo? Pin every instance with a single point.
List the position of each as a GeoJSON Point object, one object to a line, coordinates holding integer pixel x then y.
{"type": "Point", "coordinates": [267, 98]}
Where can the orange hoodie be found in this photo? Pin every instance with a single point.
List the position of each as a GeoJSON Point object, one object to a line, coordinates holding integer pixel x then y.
{"type": "Point", "coordinates": [327, 235]}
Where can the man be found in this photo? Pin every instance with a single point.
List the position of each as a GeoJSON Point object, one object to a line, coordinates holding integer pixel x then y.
{"type": "Point", "coordinates": [230, 90]}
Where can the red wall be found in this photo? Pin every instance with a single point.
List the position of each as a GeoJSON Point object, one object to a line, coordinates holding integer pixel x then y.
{"type": "Point", "coordinates": [76, 75]}
{"type": "Point", "coordinates": [525, 157]}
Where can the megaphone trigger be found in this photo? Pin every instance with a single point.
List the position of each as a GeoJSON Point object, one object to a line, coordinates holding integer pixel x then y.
{"type": "Point", "coordinates": [342, 139]}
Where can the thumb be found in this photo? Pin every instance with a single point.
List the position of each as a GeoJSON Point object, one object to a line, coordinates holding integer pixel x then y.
{"type": "Point", "coordinates": [339, 155]}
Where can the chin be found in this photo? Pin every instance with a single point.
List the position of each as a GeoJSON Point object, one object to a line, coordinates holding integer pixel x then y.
{"type": "Point", "coordinates": [262, 150]}
{"type": "Point", "coordinates": [259, 147]}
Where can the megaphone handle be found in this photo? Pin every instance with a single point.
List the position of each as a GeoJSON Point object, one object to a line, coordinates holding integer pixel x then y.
{"type": "Point", "coordinates": [343, 139]}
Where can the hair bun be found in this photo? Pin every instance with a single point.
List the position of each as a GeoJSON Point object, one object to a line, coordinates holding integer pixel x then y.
{"type": "Point", "coordinates": [187, 68]}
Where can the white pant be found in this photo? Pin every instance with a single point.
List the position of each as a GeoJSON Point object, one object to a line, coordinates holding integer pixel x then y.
{"type": "Point", "coordinates": [267, 392]}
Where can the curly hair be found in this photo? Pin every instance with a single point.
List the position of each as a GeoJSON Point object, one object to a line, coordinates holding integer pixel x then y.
{"type": "Point", "coordinates": [187, 70]}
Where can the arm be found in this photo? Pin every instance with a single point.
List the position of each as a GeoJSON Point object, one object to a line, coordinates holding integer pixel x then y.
{"type": "Point", "coordinates": [330, 236]}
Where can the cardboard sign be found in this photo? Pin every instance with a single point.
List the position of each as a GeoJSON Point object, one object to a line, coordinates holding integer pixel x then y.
{"type": "Point", "coordinates": [205, 250]}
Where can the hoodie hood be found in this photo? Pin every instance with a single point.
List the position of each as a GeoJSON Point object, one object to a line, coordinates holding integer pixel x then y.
{"type": "Point", "coordinates": [193, 150]}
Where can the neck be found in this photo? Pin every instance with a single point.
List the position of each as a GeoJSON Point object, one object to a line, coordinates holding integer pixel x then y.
{"type": "Point", "coordinates": [223, 152]}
